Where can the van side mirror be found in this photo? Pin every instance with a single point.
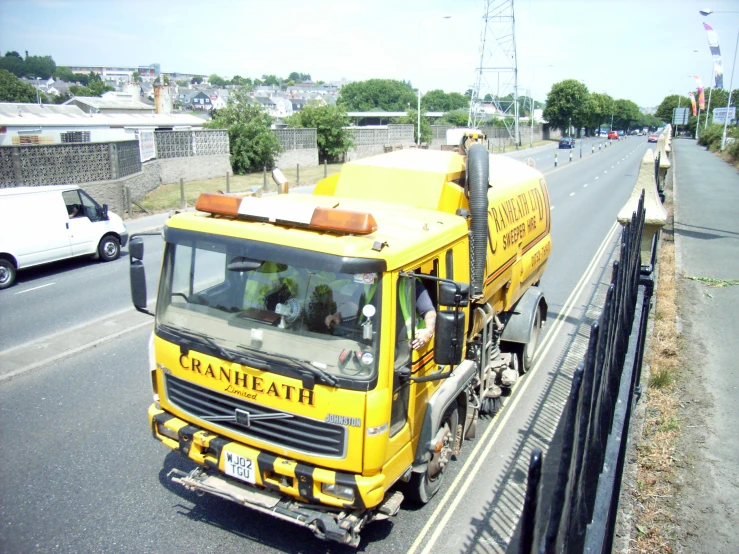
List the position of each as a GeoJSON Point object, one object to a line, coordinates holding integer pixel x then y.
{"type": "Point", "coordinates": [450, 327]}
{"type": "Point", "coordinates": [138, 274]}
{"type": "Point", "coordinates": [105, 212]}
{"type": "Point", "coordinates": [453, 294]}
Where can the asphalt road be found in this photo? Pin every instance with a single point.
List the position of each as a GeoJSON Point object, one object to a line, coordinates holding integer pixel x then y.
{"type": "Point", "coordinates": [81, 473]}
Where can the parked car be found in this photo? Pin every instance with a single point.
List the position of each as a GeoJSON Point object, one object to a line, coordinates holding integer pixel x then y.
{"type": "Point", "coordinates": [603, 134]}
{"type": "Point", "coordinates": [613, 135]}
{"type": "Point", "coordinates": [652, 137]}
{"type": "Point", "coordinates": [49, 223]}
{"type": "Point", "coordinates": [567, 142]}
{"type": "Point", "coordinates": [621, 133]}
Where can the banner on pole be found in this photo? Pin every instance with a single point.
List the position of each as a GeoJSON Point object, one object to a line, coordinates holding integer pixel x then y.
{"type": "Point", "coordinates": [718, 70]}
{"type": "Point", "coordinates": [692, 102]}
{"type": "Point", "coordinates": [701, 96]}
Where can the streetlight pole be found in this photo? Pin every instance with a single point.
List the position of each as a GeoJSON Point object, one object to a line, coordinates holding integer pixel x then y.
{"type": "Point", "coordinates": [418, 134]}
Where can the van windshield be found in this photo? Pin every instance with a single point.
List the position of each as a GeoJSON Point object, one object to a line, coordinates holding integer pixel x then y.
{"type": "Point", "coordinates": [276, 310]}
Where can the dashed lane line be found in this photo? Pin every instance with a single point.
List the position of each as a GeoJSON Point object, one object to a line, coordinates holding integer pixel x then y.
{"type": "Point", "coordinates": [35, 288]}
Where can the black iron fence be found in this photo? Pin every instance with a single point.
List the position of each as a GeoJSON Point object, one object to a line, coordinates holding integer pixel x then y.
{"type": "Point", "coordinates": [584, 500]}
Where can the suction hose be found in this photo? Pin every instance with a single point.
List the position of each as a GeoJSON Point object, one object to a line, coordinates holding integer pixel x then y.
{"type": "Point", "coordinates": [478, 172]}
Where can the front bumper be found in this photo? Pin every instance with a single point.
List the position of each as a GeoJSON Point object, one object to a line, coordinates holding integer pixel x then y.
{"type": "Point", "coordinates": [284, 476]}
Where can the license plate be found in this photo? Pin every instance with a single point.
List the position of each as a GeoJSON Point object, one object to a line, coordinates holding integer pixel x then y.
{"type": "Point", "coordinates": [240, 467]}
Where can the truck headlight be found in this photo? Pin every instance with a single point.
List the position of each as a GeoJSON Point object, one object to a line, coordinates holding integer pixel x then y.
{"type": "Point", "coordinates": [339, 491]}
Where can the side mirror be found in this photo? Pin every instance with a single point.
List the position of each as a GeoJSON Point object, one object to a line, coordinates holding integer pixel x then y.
{"type": "Point", "coordinates": [105, 211]}
{"type": "Point", "coordinates": [453, 294]}
{"type": "Point", "coordinates": [137, 274]}
{"type": "Point", "coordinates": [136, 248]}
{"type": "Point", "coordinates": [450, 327]}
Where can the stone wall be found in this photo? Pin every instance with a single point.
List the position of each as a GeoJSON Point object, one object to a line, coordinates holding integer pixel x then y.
{"type": "Point", "coordinates": [372, 141]}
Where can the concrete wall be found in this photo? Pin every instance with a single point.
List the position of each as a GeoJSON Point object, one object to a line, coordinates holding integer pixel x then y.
{"type": "Point", "coordinates": [193, 168]}
{"type": "Point", "coordinates": [152, 175]}
{"type": "Point", "coordinates": [305, 157]}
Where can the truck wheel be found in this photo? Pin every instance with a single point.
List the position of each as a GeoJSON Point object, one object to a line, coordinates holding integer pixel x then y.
{"type": "Point", "coordinates": [109, 248]}
{"type": "Point", "coordinates": [7, 273]}
{"type": "Point", "coordinates": [527, 351]}
{"type": "Point", "coordinates": [423, 486]}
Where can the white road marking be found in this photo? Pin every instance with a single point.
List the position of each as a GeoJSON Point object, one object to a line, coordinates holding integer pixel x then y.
{"type": "Point", "coordinates": [572, 194]}
{"type": "Point", "coordinates": [596, 177]}
{"type": "Point", "coordinates": [585, 185]}
{"type": "Point", "coordinates": [457, 489]}
{"type": "Point", "coordinates": [35, 288]}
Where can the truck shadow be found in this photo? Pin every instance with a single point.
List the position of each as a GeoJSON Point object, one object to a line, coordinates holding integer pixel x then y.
{"type": "Point", "coordinates": [254, 526]}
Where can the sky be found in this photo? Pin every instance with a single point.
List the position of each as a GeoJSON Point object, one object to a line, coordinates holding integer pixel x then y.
{"type": "Point", "coordinates": [640, 50]}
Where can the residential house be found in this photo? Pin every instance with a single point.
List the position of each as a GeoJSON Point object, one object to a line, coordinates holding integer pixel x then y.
{"type": "Point", "coordinates": [196, 100]}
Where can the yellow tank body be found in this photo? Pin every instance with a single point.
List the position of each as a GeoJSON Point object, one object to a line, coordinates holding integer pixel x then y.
{"type": "Point", "coordinates": [518, 208]}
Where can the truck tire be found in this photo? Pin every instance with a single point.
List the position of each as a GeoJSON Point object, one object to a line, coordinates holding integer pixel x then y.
{"type": "Point", "coordinates": [527, 351]}
{"type": "Point", "coordinates": [7, 273]}
{"type": "Point", "coordinates": [423, 486]}
{"type": "Point", "coordinates": [109, 248]}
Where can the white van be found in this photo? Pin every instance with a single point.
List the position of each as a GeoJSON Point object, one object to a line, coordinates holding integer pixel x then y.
{"type": "Point", "coordinates": [49, 223]}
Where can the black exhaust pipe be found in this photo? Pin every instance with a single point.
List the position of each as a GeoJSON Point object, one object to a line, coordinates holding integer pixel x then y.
{"type": "Point", "coordinates": [478, 173]}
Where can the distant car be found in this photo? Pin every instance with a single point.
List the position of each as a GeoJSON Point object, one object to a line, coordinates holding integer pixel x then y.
{"type": "Point", "coordinates": [603, 134]}
{"type": "Point", "coordinates": [567, 142]}
{"type": "Point", "coordinates": [652, 138]}
{"type": "Point", "coordinates": [613, 135]}
{"type": "Point", "coordinates": [620, 133]}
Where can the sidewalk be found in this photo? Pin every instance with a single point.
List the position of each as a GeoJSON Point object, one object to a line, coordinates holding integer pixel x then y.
{"type": "Point", "coordinates": [706, 214]}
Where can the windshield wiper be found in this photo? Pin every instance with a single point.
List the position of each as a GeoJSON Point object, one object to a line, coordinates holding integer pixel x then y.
{"type": "Point", "coordinates": [303, 367]}
{"type": "Point", "coordinates": [222, 352]}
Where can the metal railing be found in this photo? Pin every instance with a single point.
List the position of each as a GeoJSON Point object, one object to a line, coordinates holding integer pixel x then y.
{"type": "Point", "coordinates": [584, 500]}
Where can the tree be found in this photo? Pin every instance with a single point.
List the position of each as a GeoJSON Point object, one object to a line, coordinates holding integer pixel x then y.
{"type": "Point", "coordinates": [63, 73]}
{"type": "Point", "coordinates": [61, 98]}
{"type": "Point", "coordinates": [330, 122]}
{"type": "Point", "coordinates": [252, 142]}
{"type": "Point", "coordinates": [271, 80]}
{"type": "Point", "coordinates": [165, 79]}
{"type": "Point", "coordinates": [435, 101]}
{"type": "Point", "coordinates": [136, 77]}
{"type": "Point", "coordinates": [567, 102]}
{"type": "Point", "coordinates": [412, 118]}
{"type": "Point", "coordinates": [626, 113]}
{"type": "Point", "coordinates": [14, 63]}
{"type": "Point", "coordinates": [217, 81]}
{"type": "Point", "coordinates": [599, 109]}
{"type": "Point", "coordinates": [40, 66]}
{"type": "Point", "coordinates": [299, 77]}
{"type": "Point", "coordinates": [196, 80]}
{"type": "Point", "coordinates": [13, 89]}
{"type": "Point", "coordinates": [95, 86]}
{"type": "Point", "coordinates": [182, 82]}
{"type": "Point", "coordinates": [458, 118]}
{"type": "Point", "coordinates": [378, 94]}
{"type": "Point", "coordinates": [458, 101]}
{"type": "Point", "coordinates": [664, 110]}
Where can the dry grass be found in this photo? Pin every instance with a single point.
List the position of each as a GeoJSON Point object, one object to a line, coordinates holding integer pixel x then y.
{"type": "Point", "coordinates": [655, 452]}
{"type": "Point", "coordinates": [167, 197]}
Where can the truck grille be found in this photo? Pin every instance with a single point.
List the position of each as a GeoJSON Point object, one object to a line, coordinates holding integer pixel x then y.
{"type": "Point", "coordinates": [298, 433]}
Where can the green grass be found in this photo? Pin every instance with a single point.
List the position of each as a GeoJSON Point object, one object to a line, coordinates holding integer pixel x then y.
{"type": "Point", "coordinates": [660, 380]}
{"type": "Point", "coordinates": [715, 283]}
{"type": "Point", "coordinates": [167, 197]}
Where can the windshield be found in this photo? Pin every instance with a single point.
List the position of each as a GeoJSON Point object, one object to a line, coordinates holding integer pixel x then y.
{"type": "Point", "coordinates": [242, 302]}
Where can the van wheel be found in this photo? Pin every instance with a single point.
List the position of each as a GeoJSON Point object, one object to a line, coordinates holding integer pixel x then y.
{"type": "Point", "coordinates": [7, 273]}
{"type": "Point", "coordinates": [109, 248]}
{"type": "Point", "coordinates": [423, 486]}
